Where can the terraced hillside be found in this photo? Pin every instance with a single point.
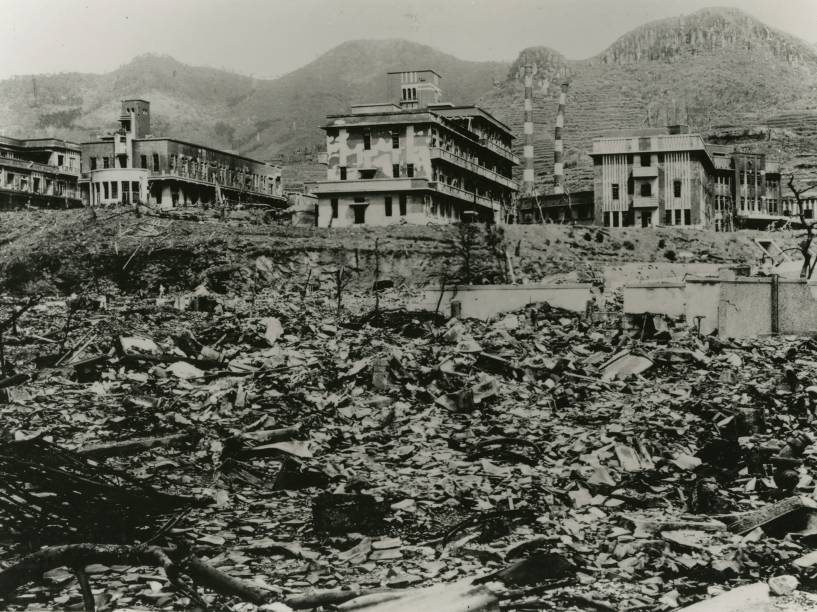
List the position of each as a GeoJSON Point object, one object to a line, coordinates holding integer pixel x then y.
{"type": "Point", "coordinates": [719, 70]}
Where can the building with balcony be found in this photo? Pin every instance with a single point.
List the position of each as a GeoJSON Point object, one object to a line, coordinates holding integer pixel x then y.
{"type": "Point", "coordinates": [652, 177]}
{"type": "Point", "coordinates": [130, 165]}
{"type": "Point", "coordinates": [747, 191]}
{"type": "Point", "coordinates": [418, 160]}
{"type": "Point", "coordinates": [39, 172]}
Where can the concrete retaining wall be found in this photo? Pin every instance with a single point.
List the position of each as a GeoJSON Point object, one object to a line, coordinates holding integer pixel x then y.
{"type": "Point", "coordinates": [702, 298]}
{"type": "Point", "coordinates": [486, 301]}
{"type": "Point", "coordinates": [745, 308]}
{"type": "Point", "coordinates": [741, 307]}
{"type": "Point", "coordinates": [655, 298]}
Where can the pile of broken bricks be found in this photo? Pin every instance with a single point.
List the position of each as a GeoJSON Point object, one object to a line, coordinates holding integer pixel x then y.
{"type": "Point", "coordinates": [399, 460]}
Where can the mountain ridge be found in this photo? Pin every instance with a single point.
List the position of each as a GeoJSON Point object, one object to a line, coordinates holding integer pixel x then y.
{"type": "Point", "coordinates": [729, 75]}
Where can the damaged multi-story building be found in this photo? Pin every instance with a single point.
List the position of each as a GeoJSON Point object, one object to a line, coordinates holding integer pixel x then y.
{"type": "Point", "coordinates": [746, 190]}
{"type": "Point", "coordinates": [671, 177]}
{"type": "Point", "coordinates": [131, 165]}
{"type": "Point", "coordinates": [418, 160]}
{"type": "Point", "coordinates": [41, 172]}
{"type": "Point", "coordinates": [651, 177]}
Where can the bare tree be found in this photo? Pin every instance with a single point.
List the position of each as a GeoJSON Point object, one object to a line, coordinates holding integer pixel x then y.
{"type": "Point", "coordinates": [467, 234]}
{"type": "Point", "coordinates": [798, 191]}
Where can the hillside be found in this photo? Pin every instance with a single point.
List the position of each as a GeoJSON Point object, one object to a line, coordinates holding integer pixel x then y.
{"type": "Point", "coordinates": [63, 251]}
{"type": "Point", "coordinates": [262, 118]}
{"type": "Point", "coordinates": [723, 72]}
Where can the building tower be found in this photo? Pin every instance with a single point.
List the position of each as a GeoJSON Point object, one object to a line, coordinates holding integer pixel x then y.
{"type": "Point", "coordinates": [558, 144]}
{"type": "Point", "coordinates": [135, 117]}
{"type": "Point", "coordinates": [418, 88]}
{"type": "Point", "coordinates": [527, 154]}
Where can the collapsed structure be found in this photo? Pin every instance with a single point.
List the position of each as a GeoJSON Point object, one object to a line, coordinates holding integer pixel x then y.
{"type": "Point", "coordinates": [131, 165]}
{"type": "Point", "coordinates": [418, 161]}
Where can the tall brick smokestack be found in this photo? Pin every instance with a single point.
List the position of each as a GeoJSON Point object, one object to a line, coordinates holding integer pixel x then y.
{"type": "Point", "coordinates": [558, 144]}
{"type": "Point", "coordinates": [527, 172]}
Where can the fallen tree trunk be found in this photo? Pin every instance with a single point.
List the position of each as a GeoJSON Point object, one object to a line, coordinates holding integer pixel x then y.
{"type": "Point", "coordinates": [458, 597]}
{"type": "Point", "coordinates": [33, 566]}
{"type": "Point", "coordinates": [206, 575]}
{"type": "Point", "coordinates": [135, 445]}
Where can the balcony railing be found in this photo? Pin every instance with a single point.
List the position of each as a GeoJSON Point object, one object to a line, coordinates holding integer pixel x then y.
{"type": "Point", "coordinates": [500, 150]}
{"type": "Point", "coordinates": [645, 171]}
{"type": "Point", "coordinates": [662, 142]}
{"type": "Point", "coordinates": [640, 201]}
{"type": "Point", "coordinates": [440, 153]}
{"type": "Point", "coordinates": [370, 185]}
{"type": "Point", "coordinates": [197, 178]}
{"type": "Point", "coordinates": [468, 196]}
{"type": "Point", "coordinates": [71, 194]}
{"type": "Point", "coordinates": [23, 164]}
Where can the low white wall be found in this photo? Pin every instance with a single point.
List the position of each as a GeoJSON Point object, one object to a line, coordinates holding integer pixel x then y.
{"type": "Point", "coordinates": [655, 298]}
{"type": "Point", "coordinates": [737, 308]}
{"type": "Point", "coordinates": [486, 301]}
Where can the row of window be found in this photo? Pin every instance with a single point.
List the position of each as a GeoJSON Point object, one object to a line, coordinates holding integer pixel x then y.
{"type": "Point", "coordinates": [22, 183]}
{"type": "Point", "coordinates": [369, 173]}
{"type": "Point", "coordinates": [110, 190]}
{"type": "Point", "coordinates": [645, 189]}
{"type": "Point", "coordinates": [367, 139]}
{"type": "Point", "coordinates": [360, 211]}
{"type": "Point", "coordinates": [437, 139]}
{"type": "Point", "coordinates": [626, 218]}
{"type": "Point", "coordinates": [196, 169]}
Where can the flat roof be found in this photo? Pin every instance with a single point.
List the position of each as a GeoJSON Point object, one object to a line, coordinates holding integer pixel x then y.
{"type": "Point", "coordinates": [415, 70]}
{"type": "Point", "coordinates": [446, 112]}
{"type": "Point", "coordinates": [38, 142]}
{"type": "Point", "coordinates": [191, 144]}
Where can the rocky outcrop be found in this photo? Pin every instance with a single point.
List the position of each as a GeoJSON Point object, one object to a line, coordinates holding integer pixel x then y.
{"type": "Point", "coordinates": [706, 31]}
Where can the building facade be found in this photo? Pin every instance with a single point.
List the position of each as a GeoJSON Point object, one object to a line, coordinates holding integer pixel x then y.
{"type": "Point", "coordinates": [39, 172]}
{"type": "Point", "coordinates": [652, 178]}
{"type": "Point", "coordinates": [131, 166]}
{"type": "Point", "coordinates": [746, 191]}
{"type": "Point", "coordinates": [417, 161]}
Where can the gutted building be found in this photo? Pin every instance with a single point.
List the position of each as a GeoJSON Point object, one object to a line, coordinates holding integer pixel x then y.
{"type": "Point", "coordinates": [568, 207]}
{"type": "Point", "coordinates": [415, 161]}
{"type": "Point", "coordinates": [130, 165]}
{"type": "Point", "coordinates": [39, 172]}
{"type": "Point", "coordinates": [746, 191]}
{"type": "Point", "coordinates": [652, 177]}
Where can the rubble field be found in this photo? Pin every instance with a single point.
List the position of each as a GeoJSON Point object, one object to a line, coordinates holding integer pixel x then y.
{"type": "Point", "coordinates": [275, 452]}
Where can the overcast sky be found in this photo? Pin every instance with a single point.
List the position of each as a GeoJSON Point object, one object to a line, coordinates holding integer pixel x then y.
{"type": "Point", "coordinates": [267, 38]}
